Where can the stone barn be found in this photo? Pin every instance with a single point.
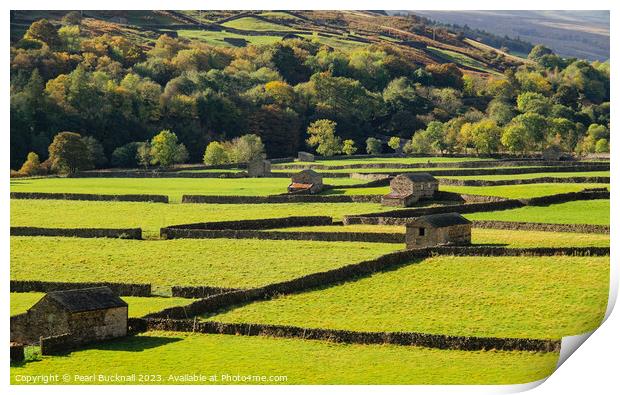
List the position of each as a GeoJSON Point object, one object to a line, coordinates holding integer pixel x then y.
{"type": "Point", "coordinates": [306, 181]}
{"type": "Point", "coordinates": [438, 229]}
{"type": "Point", "coordinates": [406, 189]}
{"type": "Point", "coordinates": [259, 167]}
{"type": "Point", "coordinates": [552, 153]}
{"type": "Point", "coordinates": [305, 156]}
{"type": "Point", "coordinates": [85, 315]}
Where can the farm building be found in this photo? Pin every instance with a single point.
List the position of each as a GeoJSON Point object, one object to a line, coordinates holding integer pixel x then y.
{"type": "Point", "coordinates": [552, 153]}
{"type": "Point", "coordinates": [306, 181]}
{"type": "Point", "coordinates": [406, 189]}
{"type": "Point", "coordinates": [86, 315]}
{"type": "Point", "coordinates": [438, 229]}
{"type": "Point", "coordinates": [259, 168]}
{"type": "Point", "coordinates": [305, 156]}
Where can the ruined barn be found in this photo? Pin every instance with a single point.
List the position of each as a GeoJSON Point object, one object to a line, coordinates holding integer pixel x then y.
{"type": "Point", "coordinates": [438, 229]}
{"type": "Point", "coordinates": [305, 156]}
{"type": "Point", "coordinates": [259, 167]}
{"type": "Point", "coordinates": [306, 181]}
{"type": "Point", "coordinates": [406, 189]}
{"type": "Point", "coordinates": [82, 315]}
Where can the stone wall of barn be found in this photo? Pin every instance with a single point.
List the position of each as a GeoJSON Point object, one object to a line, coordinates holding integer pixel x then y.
{"type": "Point", "coordinates": [41, 321]}
{"type": "Point", "coordinates": [45, 319]}
{"type": "Point", "coordinates": [454, 235]}
{"type": "Point", "coordinates": [95, 325]}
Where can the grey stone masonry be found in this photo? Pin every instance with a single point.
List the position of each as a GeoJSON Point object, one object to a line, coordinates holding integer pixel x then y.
{"type": "Point", "coordinates": [437, 230]}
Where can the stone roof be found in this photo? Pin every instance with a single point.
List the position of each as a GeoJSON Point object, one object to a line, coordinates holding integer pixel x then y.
{"type": "Point", "coordinates": [444, 220]}
{"type": "Point", "coordinates": [86, 299]}
{"type": "Point", "coordinates": [419, 177]}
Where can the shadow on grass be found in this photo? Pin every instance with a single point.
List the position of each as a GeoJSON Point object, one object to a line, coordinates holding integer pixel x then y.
{"type": "Point", "coordinates": [133, 343]}
{"type": "Point", "coordinates": [489, 245]}
{"type": "Point", "coordinates": [129, 343]}
{"type": "Point", "coordinates": [333, 192]}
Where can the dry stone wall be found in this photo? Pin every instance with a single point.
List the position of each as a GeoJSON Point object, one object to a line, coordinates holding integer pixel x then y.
{"type": "Point", "coordinates": [126, 233]}
{"type": "Point", "coordinates": [545, 227]}
{"type": "Point", "coordinates": [444, 342]}
{"type": "Point", "coordinates": [90, 197]}
{"type": "Point", "coordinates": [121, 289]}
{"type": "Point", "coordinates": [287, 198]}
{"type": "Point", "coordinates": [540, 180]}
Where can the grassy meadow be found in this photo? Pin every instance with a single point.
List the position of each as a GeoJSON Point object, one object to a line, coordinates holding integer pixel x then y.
{"type": "Point", "coordinates": [493, 177]}
{"type": "Point", "coordinates": [174, 188]}
{"type": "Point", "coordinates": [595, 212]}
{"type": "Point", "coordinates": [227, 263]}
{"type": "Point", "coordinates": [138, 306]}
{"type": "Point", "coordinates": [173, 354]}
{"type": "Point", "coordinates": [153, 216]}
{"type": "Point", "coordinates": [521, 191]}
{"type": "Point", "coordinates": [533, 297]}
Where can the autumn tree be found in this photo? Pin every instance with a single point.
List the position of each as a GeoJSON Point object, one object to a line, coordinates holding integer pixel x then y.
{"type": "Point", "coordinates": [394, 143]}
{"type": "Point", "coordinates": [374, 146]}
{"type": "Point", "coordinates": [322, 135]}
{"type": "Point", "coordinates": [165, 149]}
{"type": "Point", "coordinates": [68, 153]}
{"type": "Point", "coordinates": [43, 30]}
{"type": "Point", "coordinates": [32, 165]}
{"type": "Point", "coordinates": [215, 154]}
{"type": "Point", "coordinates": [348, 147]}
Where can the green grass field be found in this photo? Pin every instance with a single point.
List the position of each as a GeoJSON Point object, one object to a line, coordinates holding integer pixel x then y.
{"type": "Point", "coordinates": [594, 212]}
{"type": "Point", "coordinates": [153, 216]}
{"type": "Point", "coordinates": [172, 187]}
{"type": "Point", "coordinates": [250, 23]}
{"type": "Point", "coordinates": [534, 297]}
{"type": "Point", "coordinates": [521, 191]}
{"type": "Point", "coordinates": [531, 175]}
{"type": "Point", "coordinates": [216, 38]}
{"type": "Point", "coordinates": [171, 354]}
{"type": "Point", "coordinates": [138, 306]}
{"type": "Point", "coordinates": [214, 262]}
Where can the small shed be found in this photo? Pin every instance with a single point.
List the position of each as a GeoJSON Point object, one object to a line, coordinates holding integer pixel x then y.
{"type": "Point", "coordinates": [552, 153]}
{"type": "Point", "coordinates": [406, 189]}
{"type": "Point", "coordinates": [306, 181]}
{"type": "Point", "coordinates": [438, 229]}
{"type": "Point", "coordinates": [259, 167]}
{"type": "Point", "coordinates": [86, 315]}
{"type": "Point", "coordinates": [305, 157]}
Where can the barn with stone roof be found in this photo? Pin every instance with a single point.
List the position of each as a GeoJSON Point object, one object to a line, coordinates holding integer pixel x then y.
{"type": "Point", "coordinates": [86, 315]}
{"type": "Point", "coordinates": [406, 189]}
{"type": "Point", "coordinates": [438, 229]}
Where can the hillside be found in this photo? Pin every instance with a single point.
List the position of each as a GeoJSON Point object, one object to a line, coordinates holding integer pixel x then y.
{"type": "Point", "coordinates": [580, 34]}
{"type": "Point", "coordinates": [343, 30]}
{"type": "Point", "coordinates": [332, 81]}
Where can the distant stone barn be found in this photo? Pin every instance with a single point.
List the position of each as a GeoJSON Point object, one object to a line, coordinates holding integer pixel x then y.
{"type": "Point", "coordinates": [306, 181]}
{"type": "Point", "coordinates": [259, 167]}
{"type": "Point", "coordinates": [438, 229]}
{"type": "Point", "coordinates": [406, 189]}
{"type": "Point", "coordinates": [305, 157]}
{"type": "Point", "coordinates": [86, 315]}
